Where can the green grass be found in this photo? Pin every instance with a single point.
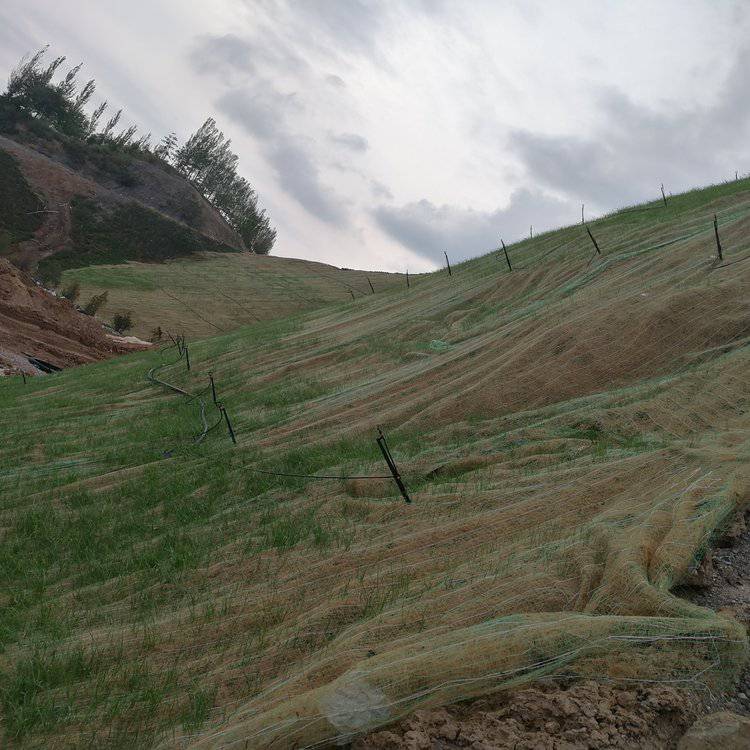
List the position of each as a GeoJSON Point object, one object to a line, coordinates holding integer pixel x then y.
{"type": "Point", "coordinates": [150, 585]}
{"type": "Point", "coordinates": [127, 232]}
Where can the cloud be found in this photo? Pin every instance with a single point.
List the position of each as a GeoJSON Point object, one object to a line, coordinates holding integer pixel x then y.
{"type": "Point", "coordinates": [219, 53]}
{"type": "Point", "coordinates": [354, 24]}
{"type": "Point", "coordinates": [227, 54]}
{"type": "Point", "coordinates": [429, 229]}
{"type": "Point", "coordinates": [335, 81]}
{"type": "Point", "coordinates": [634, 148]}
{"type": "Point", "coordinates": [300, 178]}
{"type": "Point", "coordinates": [260, 109]}
{"type": "Point", "coordinates": [351, 141]}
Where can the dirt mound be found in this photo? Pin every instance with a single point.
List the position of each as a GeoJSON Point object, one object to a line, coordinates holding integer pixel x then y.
{"type": "Point", "coordinates": [587, 715]}
{"type": "Point", "coordinates": [36, 324]}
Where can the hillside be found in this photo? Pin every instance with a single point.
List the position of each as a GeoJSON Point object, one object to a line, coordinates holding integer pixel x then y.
{"type": "Point", "coordinates": [215, 292]}
{"type": "Point", "coordinates": [81, 191]}
{"type": "Point", "coordinates": [574, 438]}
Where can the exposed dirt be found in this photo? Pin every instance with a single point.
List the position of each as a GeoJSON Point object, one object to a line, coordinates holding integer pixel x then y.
{"type": "Point", "coordinates": [547, 717]}
{"type": "Point", "coordinates": [45, 170]}
{"type": "Point", "coordinates": [35, 323]}
{"type": "Point", "coordinates": [722, 583]}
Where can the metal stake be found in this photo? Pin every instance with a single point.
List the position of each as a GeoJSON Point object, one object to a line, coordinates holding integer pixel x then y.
{"type": "Point", "coordinates": [383, 445]}
{"type": "Point", "coordinates": [718, 241]}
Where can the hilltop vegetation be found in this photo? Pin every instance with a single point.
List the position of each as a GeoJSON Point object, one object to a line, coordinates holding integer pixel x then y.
{"type": "Point", "coordinates": [573, 434]}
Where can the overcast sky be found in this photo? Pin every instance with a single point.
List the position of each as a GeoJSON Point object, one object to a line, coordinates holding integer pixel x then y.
{"type": "Point", "coordinates": [378, 134]}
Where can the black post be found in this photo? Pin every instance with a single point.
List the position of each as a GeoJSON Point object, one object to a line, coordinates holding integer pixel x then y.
{"type": "Point", "coordinates": [531, 232]}
{"type": "Point", "coordinates": [187, 357]}
{"type": "Point", "coordinates": [593, 240]}
{"type": "Point", "coordinates": [663, 197]}
{"type": "Point", "coordinates": [372, 288]}
{"type": "Point", "coordinates": [213, 386]}
{"type": "Point", "coordinates": [507, 259]}
{"type": "Point", "coordinates": [450, 273]}
{"type": "Point", "coordinates": [718, 241]}
{"type": "Point", "coordinates": [383, 445]}
{"type": "Point", "coordinates": [23, 375]}
{"type": "Point", "coordinates": [408, 286]}
{"type": "Point", "coordinates": [583, 221]}
{"type": "Point", "coordinates": [229, 424]}
{"type": "Point", "coordinates": [352, 293]}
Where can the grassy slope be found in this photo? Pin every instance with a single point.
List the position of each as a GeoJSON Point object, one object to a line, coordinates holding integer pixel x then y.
{"type": "Point", "coordinates": [571, 433]}
{"type": "Point", "coordinates": [214, 292]}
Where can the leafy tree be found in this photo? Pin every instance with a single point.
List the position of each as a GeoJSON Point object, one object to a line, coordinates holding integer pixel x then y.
{"type": "Point", "coordinates": [166, 148]}
{"type": "Point", "coordinates": [31, 90]}
{"type": "Point", "coordinates": [206, 158]}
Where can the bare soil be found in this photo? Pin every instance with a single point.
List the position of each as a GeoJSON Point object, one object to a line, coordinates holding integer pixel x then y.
{"type": "Point", "coordinates": [549, 717]}
{"type": "Point", "coordinates": [35, 323]}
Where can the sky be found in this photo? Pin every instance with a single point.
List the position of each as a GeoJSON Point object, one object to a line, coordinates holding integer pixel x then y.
{"type": "Point", "coordinates": [380, 133]}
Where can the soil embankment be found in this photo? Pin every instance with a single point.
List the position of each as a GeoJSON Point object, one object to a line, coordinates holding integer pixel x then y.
{"type": "Point", "coordinates": [35, 324]}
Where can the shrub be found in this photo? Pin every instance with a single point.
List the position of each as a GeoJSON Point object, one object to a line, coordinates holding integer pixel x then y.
{"type": "Point", "coordinates": [94, 304]}
{"type": "Point", "coordinates": [122, 322]}
{"type": "Point", "coordinates": [72, 291]}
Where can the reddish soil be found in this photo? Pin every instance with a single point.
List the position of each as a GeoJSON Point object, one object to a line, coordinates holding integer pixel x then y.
{"type": "Point", "coordinates": [35, 323]}
{"type": "Point", "coordinates": [586, 716]}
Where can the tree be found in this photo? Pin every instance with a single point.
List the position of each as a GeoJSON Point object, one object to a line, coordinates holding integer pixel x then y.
{"type": "Point", "coordinates": [31, 90]}
{"type": "Point", "coordinates": [166, 148]}
{"type": "Point", "coordinates": [207, 160]}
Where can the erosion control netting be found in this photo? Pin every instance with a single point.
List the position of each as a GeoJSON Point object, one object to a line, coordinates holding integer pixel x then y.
{"type": "Point", "coordinates": [572, 447]}
{"type": "Point", "coordinates": [549, 541]}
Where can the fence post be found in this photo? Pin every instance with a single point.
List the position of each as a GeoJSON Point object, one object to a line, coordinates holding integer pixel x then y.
{"type": "Point", "coordinates": [507, 259]}
{"type": "Point", "coordinates": [352, 293]}
{"type": "Point", "coordinates": [593, 240]}
{"type": "Point", "coordinates": [663, 196]}
{"type": "Point", "coordinates": [372, 288]}
{"type": "Point", "coordinates": [187, 356]}
{"type": "Point", "coordinates": [229, 424]}
{"type": "Point", "coordinates": [213, 386]}
{"type": "Point", "coordinates": [582, 219]}
{"type": "Point", "coordinates": [383, 445]}
{"type": "Point", "coordinates": [718, 241]}
{"type": "Point", "coordinates": [23, 375]}
{"type": "Point", "coordinates": [450, 273]}
{"type": "Point", "coordinates": [408, 286]}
